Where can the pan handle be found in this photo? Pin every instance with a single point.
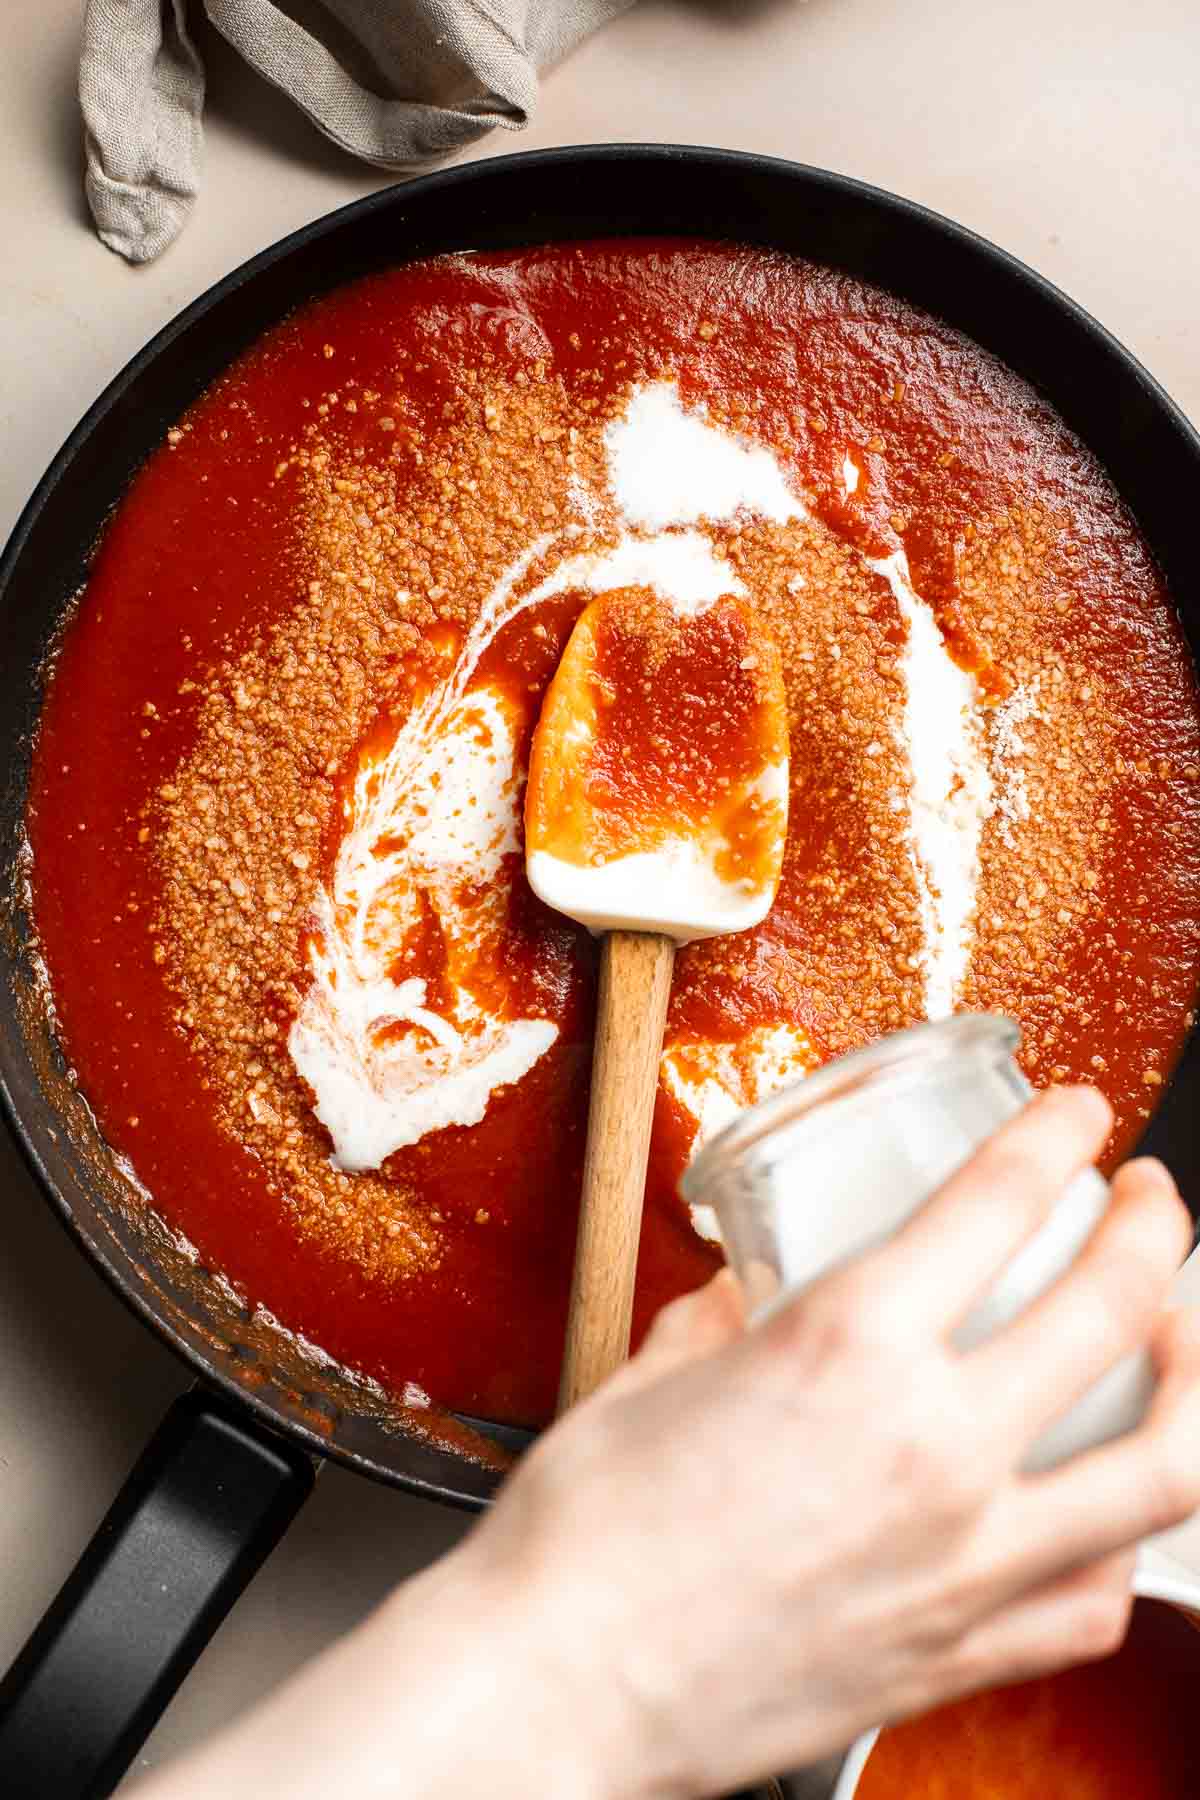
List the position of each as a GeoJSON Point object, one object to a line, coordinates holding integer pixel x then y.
{"type": "Point", "coordinates": [208, 1500]}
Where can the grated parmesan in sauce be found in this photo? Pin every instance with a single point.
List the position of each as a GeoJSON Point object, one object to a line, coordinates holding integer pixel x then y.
{"type": "Point", "coordinates": [433, 823]}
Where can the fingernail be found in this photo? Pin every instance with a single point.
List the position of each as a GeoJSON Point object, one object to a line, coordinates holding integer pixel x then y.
{"type": "Point", "coordinates": [1077, 1093]}
{"type": "Point", "coordinates": [1156, 1169]}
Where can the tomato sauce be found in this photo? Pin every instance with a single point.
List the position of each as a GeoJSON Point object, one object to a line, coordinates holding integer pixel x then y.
{"type": "Point", "coordinates": [1120, 1729]}
{"type": "Point", "coordinates": [202, 564]}
{"type": "Point", "coordinates": [654, 769]}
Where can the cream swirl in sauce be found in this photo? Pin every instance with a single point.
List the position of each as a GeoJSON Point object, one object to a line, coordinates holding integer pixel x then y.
{"type": "Point", "coordinates": [432, 831]}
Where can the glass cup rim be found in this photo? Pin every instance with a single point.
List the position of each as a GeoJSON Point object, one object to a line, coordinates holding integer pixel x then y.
{"type": "Point", "coordinates": [921, 1047]}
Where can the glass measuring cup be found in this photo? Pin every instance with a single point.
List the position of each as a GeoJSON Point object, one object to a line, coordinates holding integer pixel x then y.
{"type": "Point", "coordinates": [836, 1162]}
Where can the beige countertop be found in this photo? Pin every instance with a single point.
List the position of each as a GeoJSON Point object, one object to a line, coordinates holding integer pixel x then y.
{"type": "Point", "coordinates": [1069, 133]}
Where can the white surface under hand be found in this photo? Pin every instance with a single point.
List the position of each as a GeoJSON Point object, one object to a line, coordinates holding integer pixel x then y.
{"type": "Point", "coordinates": [1069, 134]}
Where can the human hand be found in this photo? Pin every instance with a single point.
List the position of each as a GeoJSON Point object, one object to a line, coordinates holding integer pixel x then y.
{"type": "Point", "coordinates": [747, 1548]}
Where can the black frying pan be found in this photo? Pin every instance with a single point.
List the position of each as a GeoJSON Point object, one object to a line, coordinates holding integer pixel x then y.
{"type": "Point", "coordinates": [234, 1459]}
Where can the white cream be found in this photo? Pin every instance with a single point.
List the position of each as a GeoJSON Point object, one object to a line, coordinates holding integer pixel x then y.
{"type": "Point", "coordinates": [715, 1082]}
{"type": "Point", "coordinates": [671, 467]}
{"type": "Point", "coordinates": [429, 827]}
{"type": "Point", "coordinates": [682, 566]}
{"type": "Point", "coordinates": [951, 795]}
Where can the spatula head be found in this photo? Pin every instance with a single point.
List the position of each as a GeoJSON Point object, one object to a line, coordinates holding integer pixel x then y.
{"type": "Point", "coordinates": [658, 777]}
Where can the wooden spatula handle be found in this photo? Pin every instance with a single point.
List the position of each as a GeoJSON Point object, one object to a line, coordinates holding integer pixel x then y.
{"type": "Point", "coordinates": [635, 985]}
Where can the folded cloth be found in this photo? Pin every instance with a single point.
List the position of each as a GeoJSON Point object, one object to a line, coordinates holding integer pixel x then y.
{"type": "Point", "coordinates": [400, 83]}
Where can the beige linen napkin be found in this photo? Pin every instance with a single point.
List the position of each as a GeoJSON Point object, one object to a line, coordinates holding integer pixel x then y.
{"type": "Point", "coordinates": [399, 83]}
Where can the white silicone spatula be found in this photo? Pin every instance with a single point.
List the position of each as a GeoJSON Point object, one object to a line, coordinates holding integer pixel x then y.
{"type": "Point", "coordinates": [656, 813]}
